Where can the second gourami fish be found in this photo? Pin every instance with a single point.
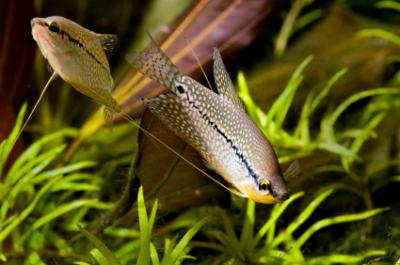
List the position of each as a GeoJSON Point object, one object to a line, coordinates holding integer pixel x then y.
{"type": "Point", "coordinates": [215, 124]}
{"type": "Point", "coordinates": [78, 56]}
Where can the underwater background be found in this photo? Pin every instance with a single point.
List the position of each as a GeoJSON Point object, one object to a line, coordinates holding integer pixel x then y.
{"type": "Point", "coordinates": [320, 78]}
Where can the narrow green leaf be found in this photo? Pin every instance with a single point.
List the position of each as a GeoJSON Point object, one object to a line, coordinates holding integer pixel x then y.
{"type": "Point", "coordinates": [345, 259]}
{"type": "Point", "coordinates": [337, 220]}
{"type": "Point", "coordinates": [36, 147]}
{"type": "Point", "coordinates": [379, 33]}
{"type": "Point", "coordinates": [144, 253]}
{"type": "Point", "coordinates": [26, 212]}
{"type": "Point", "coordinates": [248, 226]}
{"type": "Point", "coordinates": [99, 257]}
{"type": "Point", "coordinates": [178, 251]}
{"type": "Point", "coordinates": [103, 249]}
{"type": "Point", "coordinates": [64, 208]}
{"type": "Point", "coordinates": [307, 212]}
{"type": "Point", "coordinates": [281, 106]}
{"type": "Point", "coordinates": [7, 145]}
{"type": "Point", "coordinates": [153, 255]}
{"type": "Point", "coordinates": [275, 214]}
{"type": "Point", "coordinates": [388, 4]}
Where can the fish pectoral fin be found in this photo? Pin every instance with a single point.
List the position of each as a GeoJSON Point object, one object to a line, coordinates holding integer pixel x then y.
{"type": "Point", "coordinates": [293, 170]}
{"type": "Point", "coordinates": [108, 42]}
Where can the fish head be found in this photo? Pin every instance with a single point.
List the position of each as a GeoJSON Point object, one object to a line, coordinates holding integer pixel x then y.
{"type": "Point", "coordinates": [49, 35]}
{"type": "Point", "coordinates": [268, 190]}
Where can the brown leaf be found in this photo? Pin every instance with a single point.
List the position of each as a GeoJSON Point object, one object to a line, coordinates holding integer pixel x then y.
{"type": "Point", "coordinates": [167, 177]}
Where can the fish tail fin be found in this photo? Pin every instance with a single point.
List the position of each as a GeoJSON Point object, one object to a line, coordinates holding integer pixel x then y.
{"type": "Point", "coordinates": [154, 63]}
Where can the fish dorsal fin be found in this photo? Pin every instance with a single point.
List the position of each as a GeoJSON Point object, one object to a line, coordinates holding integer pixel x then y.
{"type": "Point", "coordinates": [108, 42]}
{"type": "Point", "coordinates": [223, 81]}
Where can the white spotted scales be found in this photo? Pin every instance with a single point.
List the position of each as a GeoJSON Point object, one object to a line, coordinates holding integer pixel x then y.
{"type": "Point", "coordinates": [215, 124]}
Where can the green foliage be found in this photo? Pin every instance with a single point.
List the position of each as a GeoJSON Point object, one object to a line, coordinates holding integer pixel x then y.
{"type": "Point", "coordinates": [272, 123]}
{"type": "Point", "coordinates": [43, 200]}
{"type": "Point", "coordinates": [267, 245]}
{"type": "Point", "coordinates": [36, 191]}
{"type": "Point", "coordinates": [47, 207]}
{"type": "Point", "coordinates": [174, 252]}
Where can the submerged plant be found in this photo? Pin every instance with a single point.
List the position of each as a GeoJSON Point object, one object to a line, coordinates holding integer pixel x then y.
{"type": "Point", "coordinates": [35, 192]}
{"type": "Point", "coordinates": [265, 244]}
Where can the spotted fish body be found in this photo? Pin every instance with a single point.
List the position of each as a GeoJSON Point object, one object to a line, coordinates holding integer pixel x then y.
{"type": "Point", "coordinates": [215, 124]}
{"type": "Point", "coordinates": [78, 56]}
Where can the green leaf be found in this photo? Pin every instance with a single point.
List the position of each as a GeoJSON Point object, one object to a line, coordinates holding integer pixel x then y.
{"type": "Point", "coordinates": [25, 213]}
{"type": "Point", "coordinates": [336, 220]}
{"type": "Point", "coordinates": [388, 4]}
{"type": "Point", "coordinates": [307, 212]}
{"type": "Point", "coordinates": [248, 226]}
{"type": "Point", "coordinates": [277, 114]}
{"type": "Point", "coordinates": [379, 33]}
{"type": "Point", "coordinates": [64, 208]}
{"type": "Point", "coordinates": [345, 259]}
{"type": "Point", "coordinates": [105, 252]}
{"type": "Point", "coordinates": [7, 145]}
{"type": "Point", "coordinates": [275, 214]}
{"type": "Point", "coordinates": [144, 253]}
{"type": "Point", "coordinates": [153, 255]}
{"type": "Point", "coordinates": [178, 251]}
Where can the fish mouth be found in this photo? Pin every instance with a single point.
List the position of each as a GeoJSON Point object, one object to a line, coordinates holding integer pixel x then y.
{"type": "Point", "coordinates": [37, 21]}
{"type": "Point", "coordinates": [269, 198]}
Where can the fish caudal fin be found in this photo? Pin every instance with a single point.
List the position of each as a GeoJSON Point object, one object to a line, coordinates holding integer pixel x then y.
{"type": "Point", "coordinates": [154, 64]}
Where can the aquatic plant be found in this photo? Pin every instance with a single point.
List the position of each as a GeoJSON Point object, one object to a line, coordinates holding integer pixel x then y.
{"type": "Point", "coordinates": [342, 208]}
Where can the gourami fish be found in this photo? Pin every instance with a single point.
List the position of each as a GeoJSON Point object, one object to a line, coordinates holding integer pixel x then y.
{"type": "Point", "coordinates": [78, 56]}
{"type": "Point", "coordinates": [215, 124]}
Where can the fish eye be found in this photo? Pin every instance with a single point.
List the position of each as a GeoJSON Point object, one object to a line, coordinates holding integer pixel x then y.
{"type": "Point", "coordinates": [54, 27]}
{"type": "Point", "coordinates": [264, 185]}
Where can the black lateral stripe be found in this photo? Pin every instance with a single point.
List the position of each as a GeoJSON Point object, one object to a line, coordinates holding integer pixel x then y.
{"type": "Point", "coordinates": [80, 45]}
{"type": "Point", "coordinates": [229, 141]}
